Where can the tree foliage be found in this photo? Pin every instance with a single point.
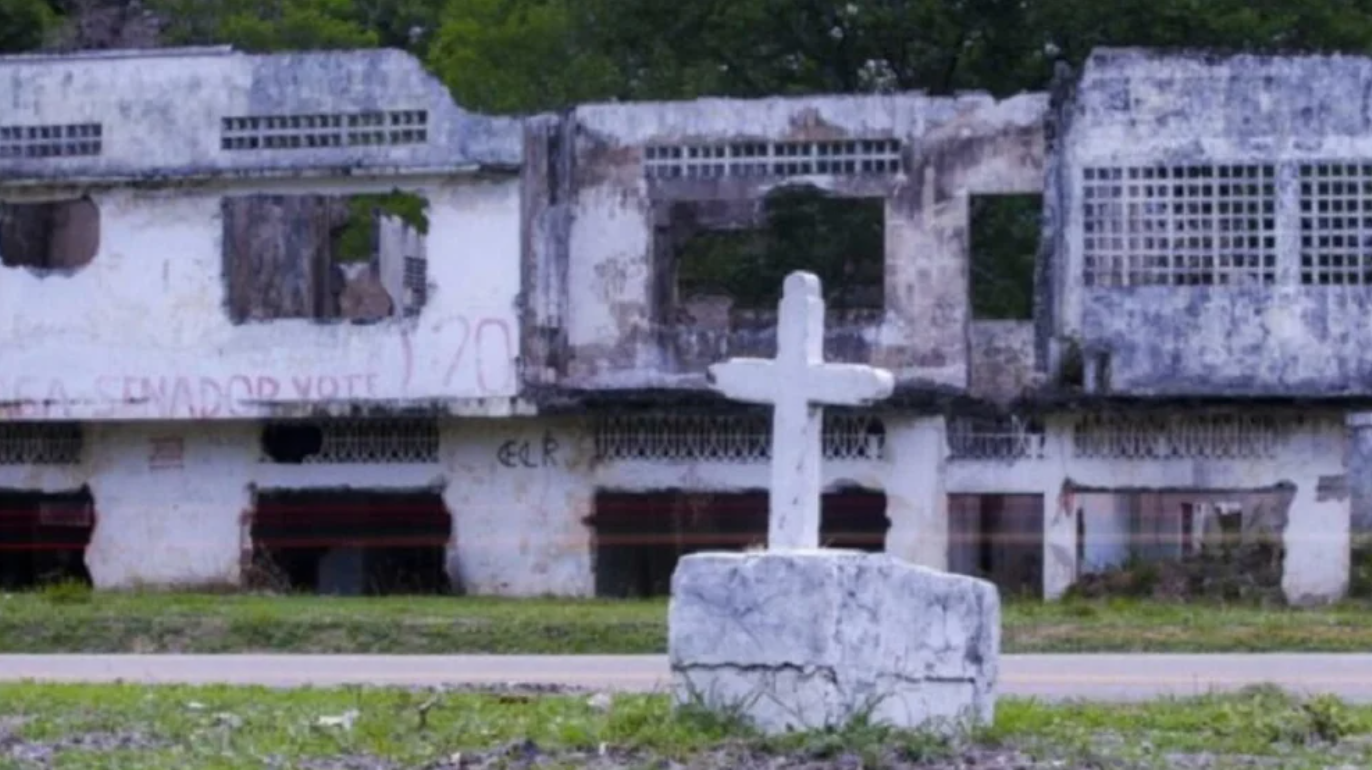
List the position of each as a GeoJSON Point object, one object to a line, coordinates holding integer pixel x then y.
{"type": "Point", "coordinates": [25, 24]}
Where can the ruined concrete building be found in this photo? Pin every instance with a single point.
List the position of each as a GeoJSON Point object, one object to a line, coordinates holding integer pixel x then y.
{"type": "Point", "coordinates": [301, 318]}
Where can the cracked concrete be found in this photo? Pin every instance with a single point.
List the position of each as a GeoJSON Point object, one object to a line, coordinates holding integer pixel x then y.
{"type": "Point", "coordinates": [814, 639]}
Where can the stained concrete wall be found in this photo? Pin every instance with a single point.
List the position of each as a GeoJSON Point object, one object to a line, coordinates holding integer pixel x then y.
{"type": "Point", "coordinates": [1308, 455]}
{"type": "Point", "coordinates": [910, 475]}
{"type": "Point", "coordinates": [157, 139]}
{"type": "Point", "coordinates": [520, 491]}
{"type": "Point", "coordinates": [142, 332]}
{"type": "Point", "coordinates": [1144, 110]}
{"type": "Point", "coordinates": [176, 112]}
{"type": "Point", "coordinates": [611, 328]}
{"type": "Point", "coordinates": [173, 504]}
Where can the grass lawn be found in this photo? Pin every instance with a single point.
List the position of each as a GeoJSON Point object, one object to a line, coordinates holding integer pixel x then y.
{"type": "Point", "coordinates": [127, 726]}
{"type": "Point", "coordinates": [67, 620]}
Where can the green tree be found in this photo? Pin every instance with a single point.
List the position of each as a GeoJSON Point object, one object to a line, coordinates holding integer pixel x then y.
{"type": "Point", "coordinates": [266, 25]}
{"type": "Point", "coordinates": [517, 56]}
{"type": "Point", "coordinates": [25, 24]}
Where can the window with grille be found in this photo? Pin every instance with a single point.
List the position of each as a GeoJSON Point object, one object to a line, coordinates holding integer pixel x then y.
{"type": "Point", "coordinates": [336, 441]}
{"type": "Point", "coordinates": [763, 159]}
{"type": "Point", "coordinates": [995, 438]}
{"type": "Point", "coordinates": [1336, 224]}
{"type": "Point", "coordinates": [50, 141]}
{"type": "Point", "coordinates": [416, 285]}
{"type": "Point", "coordinates": [306, 132]}
{"type": "Point", "coordinates": [730, 438]}
{"type": "Point", "coordinates": [41, 443]}
{"type": "Point", "coordinates": [1162, 437]}
{"type": "Point", "coordinates": [1179, 226]}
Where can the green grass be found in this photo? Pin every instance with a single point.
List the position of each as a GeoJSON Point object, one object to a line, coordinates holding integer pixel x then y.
{"type": "Point", "coordinates": [99, 726]}
{"type": "Point", "coordinates": [67, 620]}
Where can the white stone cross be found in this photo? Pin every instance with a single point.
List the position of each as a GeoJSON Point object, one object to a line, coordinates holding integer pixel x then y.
{"type": "Point", "coordinates": [797, 383]}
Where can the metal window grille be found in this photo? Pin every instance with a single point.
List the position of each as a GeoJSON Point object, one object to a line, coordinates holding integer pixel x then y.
{"type": "Point", "coordinates": [995, 438]}
{"type": "Point", "coordinates": [375, 441]}
{"type": "Point", "coordinates": [42, 443]}
{"type": "Point", "coordinates": [1336, 224]}
{"type": "Point", "coordinates": [416, 285]}
{"type": "Point", "coordinates": [1148, 437]}
{"type": "Point", "coordinates": [729, 438]}
{"type": "Point", "coordinates": [306, 132]}
{"type": "Point", "coordinates": [51, 141]}
{"type": "Point", "coordinates": [764, 159]}
{"type": "Point", "coordinates": [1179, 226]}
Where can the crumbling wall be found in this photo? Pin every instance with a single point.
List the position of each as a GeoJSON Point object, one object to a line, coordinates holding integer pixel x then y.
{"type": "Point", "coordinates": [1077, 456]}
{"type": "Point", "coordinates": [1215, 202]}
{"type": "Point", "coordinates": [1002, 364]}
{"type": "Point", "coordinates": [144, 330]}
{"type": "Point", "coordinates": [633, 165]}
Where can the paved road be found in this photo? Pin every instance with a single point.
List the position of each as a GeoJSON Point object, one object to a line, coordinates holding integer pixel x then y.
{"type": "Point", "coordinates": [1052, 677]}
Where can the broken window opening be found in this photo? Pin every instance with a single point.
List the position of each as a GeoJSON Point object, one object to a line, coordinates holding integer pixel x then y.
{"type": "Point", "coordinates": [44, 537]}
{"type": "Point", "coordinates": [1003, 247]}
{"type": "Point", "coordinates": [292, 443]}
{"type": "Point", "coordinates": [719, 259]}
{"type": "Point", "coordinates": [351, 542]}
{"type": "Point", "coordinates": [998, 537]}
{"type": "Point", "coordinates": [640, 536]}
{"type": "Point", "coordinates": [52, 235]}
{"type": "Point", "coordinates": [359, 258]}
{"type": "Point", "coordinates": [1182, 543]}
{"type": "Point", "coordinates": [351, 440]}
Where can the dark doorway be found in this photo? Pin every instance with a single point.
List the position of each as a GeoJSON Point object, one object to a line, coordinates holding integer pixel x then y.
{"type": "Point", "coordinates": [999, 538]}
{"type": "Point", "coordinates": [351, 542]}
{"type": "Point", "coordinates": [43, 537]}
{"type": "Point", "coordinates": [854, 519]}
{"type": "Point", "coordinates": [640, 536]}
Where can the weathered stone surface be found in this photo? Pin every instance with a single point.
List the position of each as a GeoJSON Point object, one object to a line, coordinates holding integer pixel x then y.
{"type": "Point", "coordinates": [809, 639]}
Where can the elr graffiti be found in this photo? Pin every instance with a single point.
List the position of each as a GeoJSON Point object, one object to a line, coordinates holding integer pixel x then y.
{"type": "Point", "coordinates": [516, 453]}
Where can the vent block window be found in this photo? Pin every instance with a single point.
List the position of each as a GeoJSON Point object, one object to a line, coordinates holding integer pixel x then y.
{"type": "Point", "coordinates": [325, 130]}
{"type": "Point", "coordinates": [772, 159]}
{"type": "Point", "coordinates": [1179, 226]}
{"type": "Point", "coordinates": [51, 141]}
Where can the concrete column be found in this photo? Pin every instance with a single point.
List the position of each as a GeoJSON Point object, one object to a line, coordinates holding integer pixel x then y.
{"type": "Point", "coordinates": [1059, 513]}
{"type": "Point", "coordinates": [1059, 541]}
{"type": "Point", "coordinates": [169, 503]}
{"type": "Point", "coordinates": [1358, 462]}
{"type": "Point", "coordinates": [917, 504]}
{"type": "Point", "coordinates": [1318, 535]}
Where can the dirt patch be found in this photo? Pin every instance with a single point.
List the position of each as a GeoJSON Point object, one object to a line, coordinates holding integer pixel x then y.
{"type": "Point", "coordinates": [529, 755]}
{"type": "Point", "coordinates": [44, 754]}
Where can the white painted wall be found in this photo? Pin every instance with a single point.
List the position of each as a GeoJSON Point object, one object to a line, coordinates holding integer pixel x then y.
{"type": "Point", "coordinates": [143, 333]}
{"type": "Point", "coordinates": [519, 511]}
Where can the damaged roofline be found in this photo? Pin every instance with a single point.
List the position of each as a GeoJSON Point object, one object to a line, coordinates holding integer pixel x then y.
{"type": "Point", "coordinates": [931, 398]}
{"type": "Point", "coordinates": [210, 176]}
{"type": "Point", "coordinates": [171, 52]}
{"type": "Point", "coordinates": [1216, 54]}
{"type": "Point", "coordinates": [497, 407]}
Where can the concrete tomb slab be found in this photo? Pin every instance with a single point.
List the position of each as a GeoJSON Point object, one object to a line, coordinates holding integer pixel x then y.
{"type": "Point", "coordinates": [804, 640]}
{"type": "Point", "coordinates": [799, 637]}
